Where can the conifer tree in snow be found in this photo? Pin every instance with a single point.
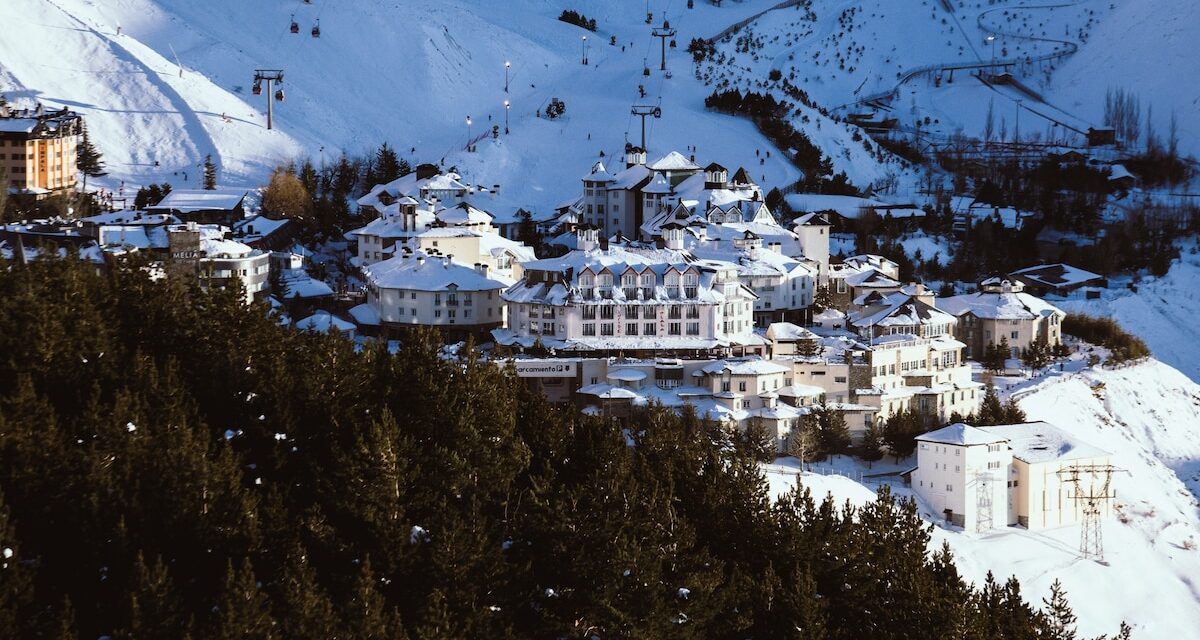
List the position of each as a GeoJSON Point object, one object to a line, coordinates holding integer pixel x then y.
{"type": "Point", "coordinates": [1059, 617]}
{"type": "Point", "coordinates": [210, 173]}
{"type": "Point", "coordinates": [387, 164]}
{"type": "Point", "coordinates": [88, 159]}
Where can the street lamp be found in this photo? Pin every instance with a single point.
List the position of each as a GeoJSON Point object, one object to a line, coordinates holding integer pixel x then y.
{"type": "Point", "coordinates": [506, 107]}
{"type": "Point", "coordinates": [506, 66]}
{"type": "Point", "coordinates": [585, 50]}
{"type": "Point", "coordinates": [468, 133]}
{"type": "Point", "coordinates": [992, 40]}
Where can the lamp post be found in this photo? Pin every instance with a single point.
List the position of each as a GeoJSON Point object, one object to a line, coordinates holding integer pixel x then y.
{"type": "Point", "coordinates": [584, 40]}
{"type": "Point", "coordinates": [992, 39]}
{"type": "Point", "coordinates": [507, 104]}
{"type": "Point", "coordinates": [506, 67]}
{"type": "Point", "coordinates": [468, 133]}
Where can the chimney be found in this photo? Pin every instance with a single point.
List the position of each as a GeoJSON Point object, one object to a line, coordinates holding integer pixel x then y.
{"type": "Point", "coordinates": [446, 261]}
{"type": "Point", "coordinates": [420, 260]}
{"type": "Point", "coordinates": [481, 268]}
{"type": "Point", "coordinates": [777, 247]}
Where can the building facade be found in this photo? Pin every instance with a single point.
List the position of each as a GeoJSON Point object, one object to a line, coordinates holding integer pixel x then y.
{"type": "Point", "coordinates": [38, 149]}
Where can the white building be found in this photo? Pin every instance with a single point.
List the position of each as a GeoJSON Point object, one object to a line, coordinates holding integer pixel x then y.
{"type": "Point", "coordinates": [632, 298]}
{"type": "Point", "coordinates": [962, 473]}
{"type": "Point", "coordinates": [1045, 458]}
{"type": "Point", "coordinates": [1016, 474]}
{"type": "Point", "coordinates": [1002, 311]}
{"type": "Point", "coordinates": [461, 231]}
{"type": "Point", "coordinates": [415, 289]}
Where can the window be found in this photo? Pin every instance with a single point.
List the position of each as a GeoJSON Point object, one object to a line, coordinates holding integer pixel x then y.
{"type": "Point", "coordinates": [606, 329]}
{"type": "Point", "coordinates": [693, 312]}
{"type": "Point", "coordinates": [413, 296]}
{"type": "Point", "coordinates": [693, 328]}
{"type": "Point", "coordinates": [589, 329]}
{"type": "Point", "coordinates": [949, 487]}
{"type": "Point", "coordinates": [547, 327]}
{"type": "Point", "coordinates": [690, 282]}
{"type": "Point", "coordinates": [841, 286]}
{"type": "Point", "coordinates": [631, 313]}
{"type": "Point", "coordinates": [725, 385]}
{"type": "Point", "coordinates": [673, 329]}
{"type": "Point", "coordinates": [674, 312]}
{"type": "Point", "coordinates": [437, 299]}
{"type": "Point", "coordinates": [606, 312]}
{"type": "Point", "coordinates": [437, 313]}
{"type": "Point", "coordinates": [631, 329]}
{"type": "Point", "coordinates": [649, 329]}
{"type": "Point", "coordinates": [1015, 335]}
{"type": "Point", "coordinates": [994, 465]}
{"type": "Point", "coordinates": [839, 378]}
{"type": "Point", "coordinates": [742, 386]}
{"type": "Point", "coordinates": [589, 313]}
{"type": "Point", "coordinates": [466, 313]}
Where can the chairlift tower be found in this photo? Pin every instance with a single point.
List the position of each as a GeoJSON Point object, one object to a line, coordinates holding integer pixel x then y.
{"type": "Point", "coordinates": [1092, 486]}
{"type": "Point", "coordinates": [642, 111]}
{"type": "Point", "coordinates": [662, 33]}
{"type": "Point", "coordinates": [269, 76]}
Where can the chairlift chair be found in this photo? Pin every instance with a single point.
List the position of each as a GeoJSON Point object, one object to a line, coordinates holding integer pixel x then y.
{"type": "Point", "coordinates": [257, 89]}
{"type": "Point", "coordinates": [295, 28]}
{"type": "Point", "coordinates": [279, 95]}
{"type": "Point", "coordinates": [316, 30]}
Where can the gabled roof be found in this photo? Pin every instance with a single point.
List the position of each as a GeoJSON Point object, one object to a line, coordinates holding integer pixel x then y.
{"type": "Point", "coordinates": [962, 435]}
{"type": "Point", "coordinates": [1035, 442]}
{"type": "Point", "coordinates": [599, 174]}
{"type": "Point", "coordinates": [463, 213]}
{"type": "Point", "coordinates": [658, 184]}
{"type": "Point", "coordinates": [189, 200]}
{"type": "Point", "coordinates": [1056, 275]}
{"type": "Point", "coordinates": [674, 161]}
{"type": "Point", "coordinates": [712, 166]}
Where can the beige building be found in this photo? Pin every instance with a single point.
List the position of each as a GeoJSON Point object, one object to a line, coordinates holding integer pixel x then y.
{"type": "Point", "coordinates": [37, 150]}
{"type": "Point", "coordinates": [1001, 310]}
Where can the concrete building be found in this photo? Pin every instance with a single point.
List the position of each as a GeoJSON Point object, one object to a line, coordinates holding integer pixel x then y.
{"type": "Point", "coordinates": [1015, 474]}
{"type": "Point", "coordinates": [38, 150]}
{"type": "Point", "coordinates": [631, 298]}
{"type": "Point", "coordinates": [1002, 310]}
{"type": "Point", "coordinates": [961, 473]}
{"type": "Point", "coordinates": [415, 289]}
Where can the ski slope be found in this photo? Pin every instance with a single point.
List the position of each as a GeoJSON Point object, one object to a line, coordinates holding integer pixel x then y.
{"type": "Point", "coordinates": [1148, 415]}
{"type": "Point", "coordinates": [174, 86]}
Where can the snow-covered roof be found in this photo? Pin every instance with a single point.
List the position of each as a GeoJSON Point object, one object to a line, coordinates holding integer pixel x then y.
{"type": "Point", "coordinates": [961, 434]}
{"type": "Point", "coordinates": [1056, 275]}
{"type": "Point", "coordinates": [324, 322]}
{"type": "Point", "coordinates": [420, 272]}
{"type": "Point", "coordinates": [1035, 442]}
{"type": "Point", "coordinates": [674, 161]}
{"type": "Point", "coordinates": [658, 184]}
{"type": "Point", "coordinates": [786, 331]}
{"type": "Point", "coordinates": [298, 284]}
{"type": "Point", "coordinates": [365, 314]}
{"type": "Point", "coordinates": [131, 217]}
{"type": "Point", "coordinates": [256, 227]}
{"type": "Point", "coordinates": [599, 174]}
{"type": "Point", "coordinates": [191, 200]}
{"type": "Point", "coordinates": [998, 306]}
{"type": "Point", "coordinates": [463, 213]}
{"type": "Point", "coordinates": [899, 310]}
{"type": "Point", "coordinates": [747, 367]}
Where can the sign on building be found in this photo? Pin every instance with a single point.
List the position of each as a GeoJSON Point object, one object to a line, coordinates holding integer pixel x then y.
{"type": "Point", "coordinates": [545, 368]}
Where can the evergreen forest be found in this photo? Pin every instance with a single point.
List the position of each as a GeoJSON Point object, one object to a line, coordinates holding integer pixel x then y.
{"type": "Point", "coordinates": [174, 464]}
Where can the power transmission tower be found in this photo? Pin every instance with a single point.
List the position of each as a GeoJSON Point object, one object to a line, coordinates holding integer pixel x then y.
{"type": "Point", "coordinates": [269, 76]}
{"type": "Point", "coordinates": [662, 33]}
{"type": "Point", "coordinates": [1092, 490]}
{"type": "Point", "coordinates": [642, 111]}
{"type": "Point", "coordinates": [983, 501]}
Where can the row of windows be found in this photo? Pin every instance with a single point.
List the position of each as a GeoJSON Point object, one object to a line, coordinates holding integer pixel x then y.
{"type": "Point", "coordinates": [646, 329]}
{"type": "Point", "coordinates": [674, 312]}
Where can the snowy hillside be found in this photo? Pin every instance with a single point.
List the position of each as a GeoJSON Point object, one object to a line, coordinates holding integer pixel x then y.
{"type": "Point", "coordinates": [1066, 54]}
{"type": "Point", "coordinates": [1149, 417]}
{"type": "Point", "coordinates": [407, 73]}
{"type": "Point", "coordinates": [1162, 313]}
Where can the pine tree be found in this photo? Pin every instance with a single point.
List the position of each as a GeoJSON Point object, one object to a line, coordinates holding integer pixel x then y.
{"type": "Point", "coordinates": [88, 159]}
{"type": "Point", "coordinates": [387, 164]}
{"type": "Point", "coordinates": [1060, 620]}
{"type": "Point", "coordinates": [802, 442]}
{"type": "Point", "coordinates": [991, 410]}
{"type": "Point", "coordinates": [154, 611]}
{"type": "Point", "coordinates": [834, 434]}
{"type": "Point", "coordinates": [366, 614]}
{"type": "Point", "coordinates": [822, 299]}
{"type": "Point", "coordinates": [243, 610]}
{"type": "Point", "coordinates": [16, 588]}
{"type": "Point", "coordinates": [302, 606]}
{"type": "Point", "coordinates": [210, 173]}
{"type": "Point", "coordinates": [872, 444]}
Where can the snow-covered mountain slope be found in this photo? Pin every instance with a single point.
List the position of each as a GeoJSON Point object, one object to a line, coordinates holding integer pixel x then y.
{"type": "Point", "coordinates": [1162, 312]}
{"type": "Point", "coordinates": [404, 72]}
{"type": "Point", "coordinates": [1147, 47]}
{"type": "Point", "coordinates": [1066, 53]}
{"type": "Point", "coordinates": [1148, 415]}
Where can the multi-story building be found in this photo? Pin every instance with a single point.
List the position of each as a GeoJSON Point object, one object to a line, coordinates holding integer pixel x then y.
{"type": "Point", "coordinates": [218, 262]}
{"type": "Point", "coordinates": [416, 289]}
{"type": "Point", "coordinates": [631, 298]}
{"type": "Point", "coordinates": [982, 478]}
{"type": "Point", "coordinates": [38, 149]}
{"type": "Point", "coordinates": [461, 230]}
{"type": "Point", "coordinates": [1001, 310]}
